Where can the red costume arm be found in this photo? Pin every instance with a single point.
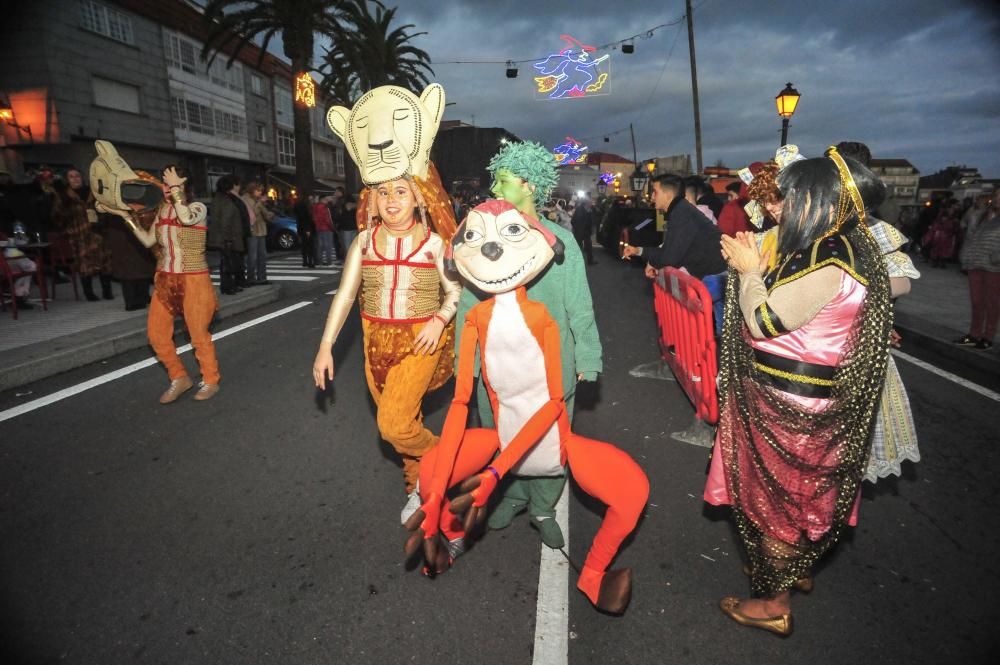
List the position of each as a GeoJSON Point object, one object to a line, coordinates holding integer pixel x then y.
{"type": "Point", "coordinates": [454, 428]}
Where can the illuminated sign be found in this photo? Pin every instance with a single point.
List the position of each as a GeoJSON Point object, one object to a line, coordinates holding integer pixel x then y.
{"type": "Point", "coordinates": [607, 177]}
{"type": "Point", "coordinates": [570, 152]}
{"type": "Point", "coordinates": [573, 72]}
{"type": "Point", "coordinates": [305, 90]}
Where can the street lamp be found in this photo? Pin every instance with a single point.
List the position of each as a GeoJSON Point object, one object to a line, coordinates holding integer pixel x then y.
{"type": "Point", "coordinates": [638, 181]}
{"type": "Point", "coordinates": [786, 101]}
{"type": "Point", "coordinates": [602, 187]}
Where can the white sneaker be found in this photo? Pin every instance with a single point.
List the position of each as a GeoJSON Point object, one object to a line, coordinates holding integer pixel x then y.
{"type": "Point", "coordinates": [412, 506]}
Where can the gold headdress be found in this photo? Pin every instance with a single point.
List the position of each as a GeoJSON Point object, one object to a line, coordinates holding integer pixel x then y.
{"type": "Point", "coordinates": [849, 194]}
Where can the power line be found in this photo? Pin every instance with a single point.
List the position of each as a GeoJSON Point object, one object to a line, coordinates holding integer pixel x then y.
{"type": "Point", "coordinates": [645, 34]}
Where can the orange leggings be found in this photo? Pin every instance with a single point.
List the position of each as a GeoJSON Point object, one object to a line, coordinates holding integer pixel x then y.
{"type": "Point", "coordinates": [199, 308]}
{"type": "Point", "coordinates": [600, 469]}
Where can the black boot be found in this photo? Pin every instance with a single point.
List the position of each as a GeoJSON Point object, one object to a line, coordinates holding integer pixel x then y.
{"type": "Point", "coordinates": [87, 281]}
{"type": "Point", "coordinates": [106, 287]}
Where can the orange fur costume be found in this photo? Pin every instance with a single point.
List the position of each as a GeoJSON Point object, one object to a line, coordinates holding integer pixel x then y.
{"type": "Point", "coordinates": [538, 412]}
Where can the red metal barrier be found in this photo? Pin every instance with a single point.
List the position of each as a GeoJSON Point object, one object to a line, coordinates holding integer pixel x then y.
{"type": "Point", "coordinates": [687, 339]}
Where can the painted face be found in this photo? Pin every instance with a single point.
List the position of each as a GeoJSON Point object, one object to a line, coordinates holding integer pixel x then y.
{"type": "Point", "coordinates": [511, 188]}
{"type": "Point", "coordinates": [662, 198]}
{"type": "Point", "coordinates": [498, 250]}
{"type": "Point", "coordinates": [395, 203]}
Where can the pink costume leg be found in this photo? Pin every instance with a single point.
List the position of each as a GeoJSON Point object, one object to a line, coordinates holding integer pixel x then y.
{"type": "Point", "coordinates": [610, 475]}
{"type": "Point", "coordinates": [476, 450]}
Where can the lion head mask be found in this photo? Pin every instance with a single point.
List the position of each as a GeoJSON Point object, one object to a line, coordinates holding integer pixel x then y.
{"type": "Point", "coordinates": [390, 130]}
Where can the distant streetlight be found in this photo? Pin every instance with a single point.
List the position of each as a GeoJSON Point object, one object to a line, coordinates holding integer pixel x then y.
{"type": "Point", "coordinates": [786, 101]}
{"type": "Point", "coordinates": [602, 187]}
{"type": "Point", "coordinates": [511, 70]}
{"type": "Point", "coordinates": [638, 181]}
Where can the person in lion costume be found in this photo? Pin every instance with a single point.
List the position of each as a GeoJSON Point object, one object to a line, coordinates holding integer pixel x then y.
{"type": "Point", "coordinates": [395, 265]}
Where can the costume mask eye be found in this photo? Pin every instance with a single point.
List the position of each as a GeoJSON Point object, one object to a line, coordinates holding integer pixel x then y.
{"type": "Point", "coordinates": [471, 236]}
{"type": "Point", "coordinates": [513, 232]}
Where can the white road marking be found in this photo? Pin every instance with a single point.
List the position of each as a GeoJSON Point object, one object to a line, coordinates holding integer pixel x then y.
{"type": "Point", "coordinates": [332, 293]}
{"type": "Point", "coordinates": [552, 608]}
{"type": "Point", "coordinates": [135, 367]}
{"type": "Point", "coordinates": [974, 387]}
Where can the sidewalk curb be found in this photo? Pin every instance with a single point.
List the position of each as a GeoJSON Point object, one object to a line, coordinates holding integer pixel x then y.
{"type": "Point", "coordinates": [44, 359]}
{"type": "Point", "coordinates": [936, 339]}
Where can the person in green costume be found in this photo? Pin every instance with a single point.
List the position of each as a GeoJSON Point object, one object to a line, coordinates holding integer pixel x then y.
{"type": "Point", "coordinates": [524, 175]}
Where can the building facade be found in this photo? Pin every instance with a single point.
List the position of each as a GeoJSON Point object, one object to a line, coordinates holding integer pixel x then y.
{"type": "Point", "coordinates": [902, 182]}
{"type": "Point", "coordinates": [130, 72]}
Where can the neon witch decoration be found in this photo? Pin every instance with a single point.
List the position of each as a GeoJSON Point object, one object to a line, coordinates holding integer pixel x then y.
{"type": "Point", "coordinates": [570, 152]}
{"type": "Point", "coordinates": [607, 177]}
{"type": "Point", "coordinates": [305, 90]}
{"type": "Point", "coordinates": [573, 72]}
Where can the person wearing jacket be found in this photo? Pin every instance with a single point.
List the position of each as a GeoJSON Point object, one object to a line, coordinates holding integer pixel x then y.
{"type": "Point", "coordinates": [227, 232]}
{"type": "Point", "coordinates": [690, 240]}
{"type": "Point", "coordinates": [307, 230]}
{"type": "Point", "coordinates": [981, 258]}
{"type": "Point", "coordinates": [253, 199]}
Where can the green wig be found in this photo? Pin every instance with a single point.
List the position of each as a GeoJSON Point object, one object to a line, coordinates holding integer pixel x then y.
{"type": "Point", "coordinates": [530, 161]}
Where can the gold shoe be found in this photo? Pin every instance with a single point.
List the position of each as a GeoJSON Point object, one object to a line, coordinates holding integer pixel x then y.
{"type": "Point", "coordinates": [177, 388]}
{"type": "Point", "coordinates": [780, 625]}
{"type": "Point", "coordinates": [804, 584]}
{"type": "Point", "coordinates": [206, 391]}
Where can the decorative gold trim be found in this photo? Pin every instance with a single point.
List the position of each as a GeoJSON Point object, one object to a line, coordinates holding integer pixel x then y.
{"type": "Point", "coordinates": [766, 318]}
{"type": "Point", "coordinates": [831, 261]}
{"type": "Point", "coordinates": [799, 378]}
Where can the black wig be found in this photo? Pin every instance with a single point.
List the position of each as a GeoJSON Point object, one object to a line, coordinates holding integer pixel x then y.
{"type": "Point", "coordinates": [811, 188]}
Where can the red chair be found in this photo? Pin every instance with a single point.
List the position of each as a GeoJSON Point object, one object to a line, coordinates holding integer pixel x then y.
{"type": "Point", "coordinates": [62, 257]}
{"type": "Point", "coordinates": [8, 274]}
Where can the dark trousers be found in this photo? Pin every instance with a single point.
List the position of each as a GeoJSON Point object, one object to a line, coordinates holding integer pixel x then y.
{"type": "Point", "coordinates": [231, 271]}
{"type": "Point", "coordinates": [135, 293]}
{"type": "Point", "coordinates": [583, 238]}
{"type": "Point", "coordinates": [308, 242]}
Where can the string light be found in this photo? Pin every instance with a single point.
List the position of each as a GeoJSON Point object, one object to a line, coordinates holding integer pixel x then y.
{"type": "Point", "coordinates": [573, 71]}
{"type": "Point", "coordinates": [305, 90]}
{"type": "Point", "coordinates": [570, 152]}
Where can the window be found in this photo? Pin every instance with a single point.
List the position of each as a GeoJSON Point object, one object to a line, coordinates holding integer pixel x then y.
{"type": "Point", "coordinates": [256, 84]}
{"type": "Point", "coordinates": [340, 161]}
{"type": "Point", "coordinates": [114, 95]}
{"type": "Point", "coordinates": [180, 52]}
{"type": "Point", "coordinates": [228, 77]}
{"type": "Point", "coordinates": [195, 117]}
{"type": "Point", "coordinates": [286, 148]}
{"type": "Point", "coordinates": [261, 133]}
{"type": "Point", "coordinates": [106, 21]}
{"type": "Point", "coordinates": [323, 159]}
{"type": "Point", "coordinates": [283, 107]}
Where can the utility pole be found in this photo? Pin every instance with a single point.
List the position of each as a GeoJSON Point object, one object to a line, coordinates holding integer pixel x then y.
{"type": "Point", "coordinates": [635, 158]}
{"type": "Point", "coordinates": [694, 86]}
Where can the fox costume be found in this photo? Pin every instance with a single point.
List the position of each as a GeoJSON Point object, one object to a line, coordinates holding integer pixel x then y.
{"type": "Point", "coordinates": [499, 250]}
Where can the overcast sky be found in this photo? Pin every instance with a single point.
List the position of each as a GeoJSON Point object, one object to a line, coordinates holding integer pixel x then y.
{"type": "Point", "coordinates": [914, 79]}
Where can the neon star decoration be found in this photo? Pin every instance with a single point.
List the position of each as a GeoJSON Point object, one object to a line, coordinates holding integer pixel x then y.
{"type": "Point", "coordinates": [305, 90]}
{"type": "Point", "coordinates": [573, 72]}
{"type": "Point", "coordinates": [570, 152]}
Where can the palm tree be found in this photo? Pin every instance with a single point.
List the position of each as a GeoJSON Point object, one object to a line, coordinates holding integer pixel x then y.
{"type": "Point", "coordinates": [235, 24]}
{"type": "Point", "coordinates": [371, 53]}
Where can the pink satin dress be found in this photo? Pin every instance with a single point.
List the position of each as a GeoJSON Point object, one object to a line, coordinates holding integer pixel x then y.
{"type": "Point", "coordinates": [822, 340]}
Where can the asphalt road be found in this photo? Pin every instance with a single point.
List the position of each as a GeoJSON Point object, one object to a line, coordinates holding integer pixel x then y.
{"type": "Point", "coordinates": [262, 526]}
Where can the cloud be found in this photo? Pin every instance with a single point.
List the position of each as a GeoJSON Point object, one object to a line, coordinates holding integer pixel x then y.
{"type": "Point", "coordinates": [914, 79]}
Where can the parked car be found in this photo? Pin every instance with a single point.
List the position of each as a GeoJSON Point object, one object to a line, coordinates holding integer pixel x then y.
{"type": "Point", "coordinates": [282, 233]}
